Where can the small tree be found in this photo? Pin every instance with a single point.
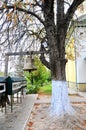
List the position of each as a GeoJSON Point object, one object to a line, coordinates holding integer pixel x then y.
{"type": "Point", "coordinates": [40, 76]}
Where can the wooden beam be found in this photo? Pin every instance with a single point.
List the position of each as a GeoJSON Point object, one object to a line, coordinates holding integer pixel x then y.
{"type": "Point", "coordinates": [6, 65]}
{"type": "Point", "coordinates": [19, 53]}
{"type": "Point", "coordinates": [26, 53]}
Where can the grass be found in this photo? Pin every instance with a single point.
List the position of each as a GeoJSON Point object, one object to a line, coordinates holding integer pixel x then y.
{"type": "Point", "coordinates": [46, 89]}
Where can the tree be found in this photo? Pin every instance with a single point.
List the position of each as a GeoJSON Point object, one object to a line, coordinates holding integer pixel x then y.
{"type": "Point", "coordinates": [41, 75]}
{"type": "Point", "coordinates": [20, 20]}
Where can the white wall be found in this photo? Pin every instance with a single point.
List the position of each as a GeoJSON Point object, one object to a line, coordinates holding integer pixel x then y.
{"type": "Point", "coordinates": [80, 42]}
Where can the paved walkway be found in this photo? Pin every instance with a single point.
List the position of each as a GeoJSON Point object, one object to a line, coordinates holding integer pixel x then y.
{"type": "Point", "coordinates": [18, 118]}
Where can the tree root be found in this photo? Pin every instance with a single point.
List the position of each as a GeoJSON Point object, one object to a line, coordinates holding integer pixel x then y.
{"type": "Point", "coordinates": [66, 123]}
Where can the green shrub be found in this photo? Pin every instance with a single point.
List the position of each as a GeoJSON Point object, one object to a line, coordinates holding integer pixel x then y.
{"type": "Point", "coordinates": [32, 89]}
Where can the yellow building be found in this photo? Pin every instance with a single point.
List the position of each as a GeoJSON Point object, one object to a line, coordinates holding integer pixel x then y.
{"type": "Point", "coordinates": [76, 68]}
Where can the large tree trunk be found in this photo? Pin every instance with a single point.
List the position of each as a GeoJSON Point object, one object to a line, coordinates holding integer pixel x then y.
{"type": "Point", "coordinates": [60, 104]}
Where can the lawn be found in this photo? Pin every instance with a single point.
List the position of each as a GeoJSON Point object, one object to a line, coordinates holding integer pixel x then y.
{"type": "Point", "coordinates": [46, 89]}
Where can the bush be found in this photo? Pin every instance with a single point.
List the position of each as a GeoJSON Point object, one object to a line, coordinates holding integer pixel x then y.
{"type": "Point", "coordinates": [32, 89]}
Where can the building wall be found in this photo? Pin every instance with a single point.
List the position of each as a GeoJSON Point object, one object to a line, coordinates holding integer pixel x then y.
{"type": "Point", "coordinates": [70, 71]}
{"type": "Point", "coordinates": [80, 42]}
{"type": "Point", "coordinates": [71, 75]}
{"type": "Point", "coordinates": [81, 87]}
{"type": "Point", "coordinates": [76, 70]}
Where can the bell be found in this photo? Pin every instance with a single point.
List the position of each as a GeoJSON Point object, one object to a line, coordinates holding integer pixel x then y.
{"type": "Point", "coordinates": [29, 64]}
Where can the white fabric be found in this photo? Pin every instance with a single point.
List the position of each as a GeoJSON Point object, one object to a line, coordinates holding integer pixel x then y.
{"type": "Point", "coordinates": [60, 104]}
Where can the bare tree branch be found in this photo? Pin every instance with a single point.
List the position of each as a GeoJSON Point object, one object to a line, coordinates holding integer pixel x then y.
{"type": "Point", "coordinates": [42, 57]}
{"type": "Point", "coordinates": [72, 9]}
{"type": "Point", "coordinates": [25, 11]}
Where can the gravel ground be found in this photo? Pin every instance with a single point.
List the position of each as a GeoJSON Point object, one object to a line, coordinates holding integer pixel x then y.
{"type": "Point", "coordinates": [40, 119]}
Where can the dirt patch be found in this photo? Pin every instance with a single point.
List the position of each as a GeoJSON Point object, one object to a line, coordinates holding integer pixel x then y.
{"type": "Point", "coordinates": [40, 119]}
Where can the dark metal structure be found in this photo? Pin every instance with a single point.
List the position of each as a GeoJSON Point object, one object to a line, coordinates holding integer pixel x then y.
{"type": "Point", "coordinates": [10, 86]}
{"type": "Point", "coordinates": [3, 92]}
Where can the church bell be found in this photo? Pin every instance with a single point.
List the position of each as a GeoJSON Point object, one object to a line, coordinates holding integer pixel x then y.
{"type": "Point", "coordinates": [29, 64]}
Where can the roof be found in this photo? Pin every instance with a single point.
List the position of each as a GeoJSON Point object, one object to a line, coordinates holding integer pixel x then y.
{"type": "Point", "coordinates": [79, 22]}
{"type": "Point", "coordinates": [2, 79]}
{"type": "Point", "coordinates": [82, 18]}
{"type": "Point", "coordinates": [16, 79]}
{"type": "Point", "coordinates": [13, 79]}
